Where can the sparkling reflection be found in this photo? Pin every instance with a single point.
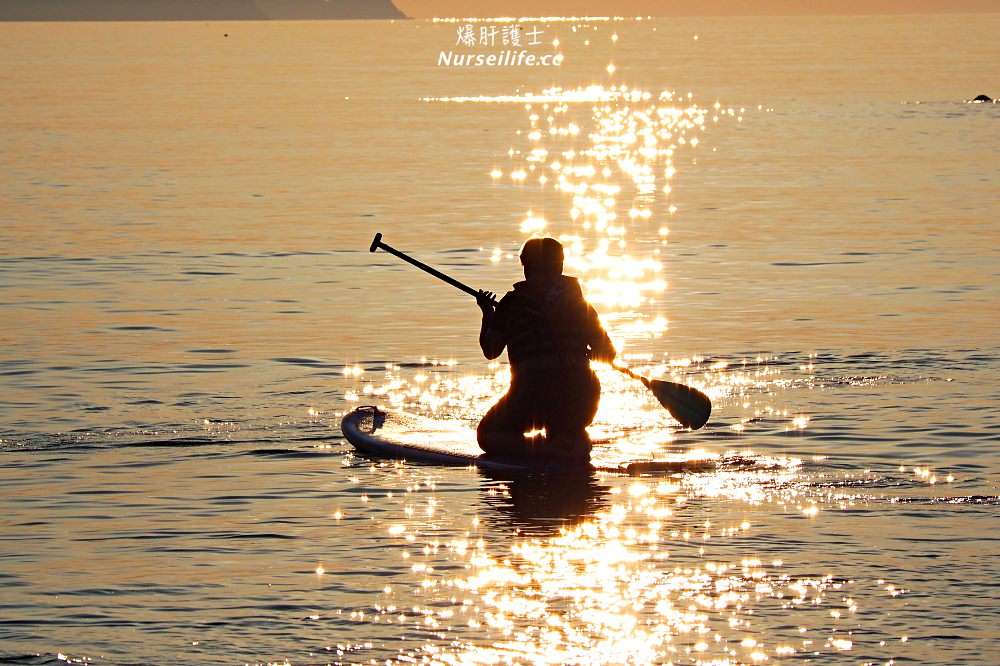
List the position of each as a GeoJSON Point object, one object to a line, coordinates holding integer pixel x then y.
{"type": "Point", "coordinates": [611, 152]}
{"type": "Point", "coordinates": [622, 571]}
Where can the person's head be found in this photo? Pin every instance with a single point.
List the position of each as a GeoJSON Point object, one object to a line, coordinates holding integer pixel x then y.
{"type": "Point", "coordinates": [542, 258]}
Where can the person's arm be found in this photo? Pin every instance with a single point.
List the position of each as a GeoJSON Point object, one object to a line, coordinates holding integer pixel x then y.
{"type": "Point", "coordinates": [491, 341]}
{"type": "Point", "coordinates": [601, 347]}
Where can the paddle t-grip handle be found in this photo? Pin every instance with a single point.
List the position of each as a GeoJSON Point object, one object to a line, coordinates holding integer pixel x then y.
{"type": "Point", "coordinates": [377, 244]}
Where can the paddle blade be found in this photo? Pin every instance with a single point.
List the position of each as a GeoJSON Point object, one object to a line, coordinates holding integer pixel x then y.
{"type": "Point", "coordinates": [688, 405]}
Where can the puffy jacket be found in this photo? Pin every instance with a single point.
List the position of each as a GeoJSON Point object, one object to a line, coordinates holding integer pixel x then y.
{"type": "Point", "coordinates": [550, 325]}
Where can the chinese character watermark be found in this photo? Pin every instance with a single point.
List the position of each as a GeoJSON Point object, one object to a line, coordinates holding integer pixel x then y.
{"type": "Point", "coordinates": [492, 36]}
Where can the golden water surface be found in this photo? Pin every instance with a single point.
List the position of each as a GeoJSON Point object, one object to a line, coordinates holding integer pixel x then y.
{"type": "Point", "coordinates": [796, 215]}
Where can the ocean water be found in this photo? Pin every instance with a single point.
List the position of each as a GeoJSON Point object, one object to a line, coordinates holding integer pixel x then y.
{"type": "Point", "coordinates": [797, 215]}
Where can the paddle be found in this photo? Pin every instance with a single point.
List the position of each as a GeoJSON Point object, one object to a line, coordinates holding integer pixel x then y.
{"type": "Point", "coordinates": [687, 405]}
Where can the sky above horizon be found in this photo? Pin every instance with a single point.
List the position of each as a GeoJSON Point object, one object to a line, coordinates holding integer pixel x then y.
{"type": "Point", "coordinates": [432, 8]}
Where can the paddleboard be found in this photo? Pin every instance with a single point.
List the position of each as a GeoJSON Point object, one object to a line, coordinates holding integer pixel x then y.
{"type": "Point", "coordinates": [419, 439]}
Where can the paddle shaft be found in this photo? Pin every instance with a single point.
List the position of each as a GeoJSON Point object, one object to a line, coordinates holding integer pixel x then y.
{"type": "Point", "coordinates": [378, 244]}
{"type": "Point", "coordinates": [627, 371]}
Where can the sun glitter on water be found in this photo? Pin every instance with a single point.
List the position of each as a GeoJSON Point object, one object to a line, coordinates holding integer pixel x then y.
{"type": "Point", "coordinates": [609, 153]}
{"type": "Point", "coordinates": [652, 577]}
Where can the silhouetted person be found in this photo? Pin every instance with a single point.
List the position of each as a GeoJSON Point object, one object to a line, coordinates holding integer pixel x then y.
{"type": "Point", "coordinates": [551, 334]}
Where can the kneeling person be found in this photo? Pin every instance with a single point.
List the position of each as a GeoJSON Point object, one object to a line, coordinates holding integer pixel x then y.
{"type": "Point", "coordinates": [551, 334]}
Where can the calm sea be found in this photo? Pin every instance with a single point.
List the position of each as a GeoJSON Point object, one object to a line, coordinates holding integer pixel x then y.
{"type": "Point", "coordinates": [798, 215]}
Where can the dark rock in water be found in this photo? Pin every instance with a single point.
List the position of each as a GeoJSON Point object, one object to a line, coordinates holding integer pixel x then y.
{"type": "Point", "coordinates": [195, 10]}
{"type": "Point", "coordinates": [982, 98]}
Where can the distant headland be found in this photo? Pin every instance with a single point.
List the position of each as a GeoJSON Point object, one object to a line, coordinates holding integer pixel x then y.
{"type": "Point", "coordinates": [196, 10]}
